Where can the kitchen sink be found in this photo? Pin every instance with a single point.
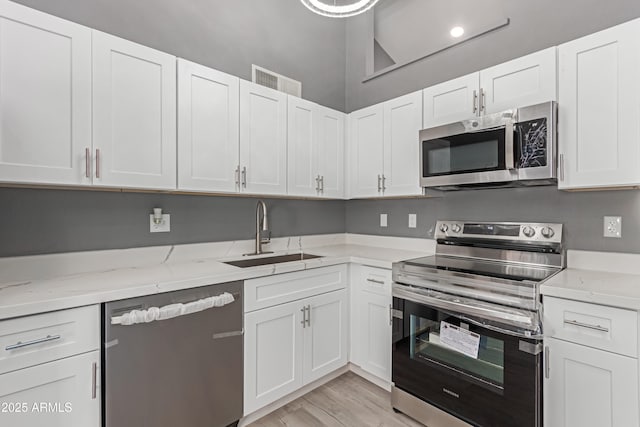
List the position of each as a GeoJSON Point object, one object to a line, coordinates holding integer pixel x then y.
{"type": "Point", "coordinates": [244, 263]}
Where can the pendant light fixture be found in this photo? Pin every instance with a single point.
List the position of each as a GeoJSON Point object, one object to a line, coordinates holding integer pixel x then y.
{"type": "Point", "coordinates": [339, 8]}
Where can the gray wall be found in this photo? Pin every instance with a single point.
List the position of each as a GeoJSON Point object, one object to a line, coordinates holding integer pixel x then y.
{"type": "Point", "coordinates": [49, 221]}
{"type": "Point", "coordinates": [535, 25]}
{"type": "Point", "coordinates": [581, 213]}
{"type": "Point", "coordinates": [228, 35]}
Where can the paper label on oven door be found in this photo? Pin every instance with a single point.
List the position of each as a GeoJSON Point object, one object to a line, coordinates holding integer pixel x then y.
{"type": "Point", "coordinates": [462, 340]}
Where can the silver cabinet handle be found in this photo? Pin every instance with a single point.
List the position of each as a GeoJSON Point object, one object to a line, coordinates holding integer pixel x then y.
{"type": "Point", "coordinates": [384, 183]}
{"type": "Point", "coordinates": [21, 344]}
{"type": "Point", "coordinates": [586, 325]}
{"type": "Point", "coordinates": [304, 316]}
{"type": "Point", "coordinates": [561, 166]}
{"type": "Point", "coordinates": [475, 101]}
{"type": "Point", "coordinates": [317, 183]}
{"type": "Point", "coordinates": [379, 183]}
{"type": "Point", "coordinates": [309, 315]}
{"type": "Point", "coordinates": [546, 362]}
{"type": "Point", "coordinates": [483, 97]}
{"type": "Point", "coordinates": [237, 176]}
{"type": "Point", "coordinates": [322, 183]}
{"type": "Point", "coordinates": [94, 380]}
{"type": "Point", "coordinates": [380, 282]}
{"type": "Point", "coordinates": [390, 314]}
{"type": "Point", "coordinates": [244, 177]}
{"type": "Point", "coordinates": [87, 162]}
{"type": "Point", "coordinates": [97, 163]}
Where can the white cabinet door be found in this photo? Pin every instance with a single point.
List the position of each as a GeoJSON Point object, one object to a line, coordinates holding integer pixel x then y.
{"type": "Point", "coordinates": [208, 129]}
{"type": "Point", "coordinates": [375, 334]}
{"type": "Point", "coordinates": [330, 134]}
{"type": "Point", "coordinates": [598, 105]}
{"type": "Point", "coordinates": [64, 393]}
{"type": "Point", "coordinates": [367, 151]}
{"type": "Point", "coordinates": [45, 98]}
{"type": "Point", "coordinates": [263, 139]}
{"type": "Point", "coordinates": [326, 335]}
{"type": "Point", "coordinates": [451, 101]}
{"type": "Point", "coordinates": [402, 125]}
{"type": "Point", "coordinates": [303, 176]}
{"type": "Point", "coordinates": [273, 354]}
{"type": "Point", "coordinates": [525, 81]}
{"type": "Point", "coordinates": [589, 388]}
{"type": "Point", "coordinates": [134, 114]}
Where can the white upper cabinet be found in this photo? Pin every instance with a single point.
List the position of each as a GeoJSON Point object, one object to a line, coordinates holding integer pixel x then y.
{"type": "Point", "coordinates": [384, 149]}
{"type": "Point", "coordinates": [367, 149]}
{"type": "Point", "coordinates": [528, 80]}
{"type": "Point", "coordinates": [330, 134]}
{"type": "Point", "coordinates": [208, 129]}
{"type": "Point", "coordinates": [316, 150]}
{"type": "Point", "coordinates": [263, 139]}
{"type": "Point", "coordinates": [599, 140]}
{"type": "Point", "coordinates": [134, 114]}
{"type": "Point", "coordinates": [303, 176]}
{"type": "Point", "coordinates": [451, 101]}
{"type": "Point", "coordinates": [402, 124]}
{"type": "Point", "coordinates": [45, 98]}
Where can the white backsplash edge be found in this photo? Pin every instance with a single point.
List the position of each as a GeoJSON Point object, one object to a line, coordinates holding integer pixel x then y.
{"type": "Point", "coordinates": [614, 262]}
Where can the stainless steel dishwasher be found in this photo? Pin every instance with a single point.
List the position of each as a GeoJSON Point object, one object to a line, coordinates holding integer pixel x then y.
{"type": "Point", "coordinates": [185, 370]}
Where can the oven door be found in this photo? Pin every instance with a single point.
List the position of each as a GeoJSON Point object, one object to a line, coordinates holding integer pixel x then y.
{"type": "Point", "coordinates": [501, 387]}
{"type": "Point", "coordinates": [453, 155]}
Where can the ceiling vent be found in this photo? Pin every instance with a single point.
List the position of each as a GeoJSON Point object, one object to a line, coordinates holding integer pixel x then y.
{"type": "Point", "coordinates": [267, 78]}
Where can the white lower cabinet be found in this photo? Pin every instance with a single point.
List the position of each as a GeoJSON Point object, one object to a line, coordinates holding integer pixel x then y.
{"type": "Point", "coordinates": [375, 334]}
{"type": "Point", "coordinates": [63, 393]}
{"type": "Point", "coordinates": [371, 320]}
{"type": "Point", "coordinates": [273, 354]}
{"type": "Point", "coordinates": [591, 365]}
{"type": "Point", "coordinates": [587, 387]}
{"type": "Point", "coordinates": [293, 344]}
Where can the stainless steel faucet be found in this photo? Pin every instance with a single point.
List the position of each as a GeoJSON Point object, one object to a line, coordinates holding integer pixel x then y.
{"type": "Point", "coordinates": [262, 224]}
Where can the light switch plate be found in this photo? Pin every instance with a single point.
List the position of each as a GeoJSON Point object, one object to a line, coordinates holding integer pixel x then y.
{"type": "Point", "coordinates": [163, 227]}
{"type": "Point", "coordinates": [412, 220]}
{"type": "Point", "coordinates": [383, 220]}
{"type": "Point", "coordinates": [613, 226]}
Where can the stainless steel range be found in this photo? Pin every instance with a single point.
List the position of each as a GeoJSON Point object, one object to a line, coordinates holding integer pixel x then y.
{"type": "Point", "coordinates": [467, 333]}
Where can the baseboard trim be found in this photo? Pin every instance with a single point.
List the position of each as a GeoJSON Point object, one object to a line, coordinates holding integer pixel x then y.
{"type": "Point", "coordinates": [255, 416]}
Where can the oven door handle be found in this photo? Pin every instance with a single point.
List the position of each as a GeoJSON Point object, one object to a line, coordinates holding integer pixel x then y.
{"type": "Point", "coordinates": [461, 305]}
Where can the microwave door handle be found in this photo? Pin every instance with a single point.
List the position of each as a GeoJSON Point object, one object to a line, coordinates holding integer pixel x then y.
{"type": "Point", "coordinates": [508, 146]}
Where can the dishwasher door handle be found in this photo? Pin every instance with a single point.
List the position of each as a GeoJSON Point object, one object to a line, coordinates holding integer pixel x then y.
{"type": "Point", "coordinates": [170, 311]}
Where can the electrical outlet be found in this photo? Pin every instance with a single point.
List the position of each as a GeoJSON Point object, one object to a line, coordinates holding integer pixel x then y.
{"type": "Point", "coordinates": [163, 227]}
{"type": "Point", "coordinates": [412, 220]}
{"type": "Point", "coordinates": [613, 226]}
{"type": "Point", "coordinates": [383, 220]}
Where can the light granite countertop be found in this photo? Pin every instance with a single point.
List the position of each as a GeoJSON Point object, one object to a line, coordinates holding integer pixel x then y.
{"type": "Point", "coordinates": [85, 280]}
{"type": "Point", "coordinates": [601, 278]}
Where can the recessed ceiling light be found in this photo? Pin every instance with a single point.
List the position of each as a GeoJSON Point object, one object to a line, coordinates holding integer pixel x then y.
{"type": "Point", "coordinates": [457, 32]}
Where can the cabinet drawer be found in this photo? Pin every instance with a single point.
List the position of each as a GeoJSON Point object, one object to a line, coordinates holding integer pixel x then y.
{"type": "Point", "coordinates": [607, 328]}
{"type": "Point", "coordinates": [29, 341]}
{"type": "Point", "coordinates": [376, 280]}
{"type": "Point", "coordinates": [282, 288]}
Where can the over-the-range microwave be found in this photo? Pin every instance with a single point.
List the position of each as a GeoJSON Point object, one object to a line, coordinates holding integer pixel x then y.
{"type": "Point", "coordinates": [513, 148]}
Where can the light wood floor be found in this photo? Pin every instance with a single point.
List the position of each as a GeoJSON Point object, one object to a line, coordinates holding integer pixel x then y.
{"type": "Point", "coordinates": [348, 400]}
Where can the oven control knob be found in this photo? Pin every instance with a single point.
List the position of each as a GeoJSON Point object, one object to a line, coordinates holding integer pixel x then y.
{"type": "Point", "coordinates": [528, 231]}
{"type": "Point", "coordinates": [548, 232]}
{"type": "Point", "coordinates": [444, 228]}
{"type": "Point", "coordinates": [456, 228]}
